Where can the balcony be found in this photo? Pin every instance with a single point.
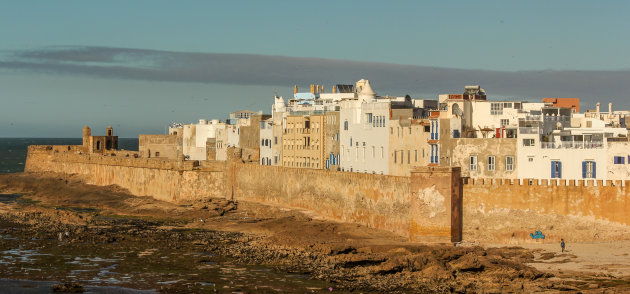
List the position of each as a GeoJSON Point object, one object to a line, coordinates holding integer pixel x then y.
{"type": "Point", "coordinates": [572, 145]}
{"type": "Point", "coordinates": [531, 118]}
{"type": "Point", "coordinates": [529, 130]}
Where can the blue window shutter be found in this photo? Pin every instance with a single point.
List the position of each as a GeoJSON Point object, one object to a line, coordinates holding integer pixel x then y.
{"type": "Point", "coordinates": [584, 169]}
{"type": "Point", "coordinates": [559, 175]}
{"type": "Point", "coordinates": [594, 170]}
{"type": "Point", "coordinates": [553, 169]}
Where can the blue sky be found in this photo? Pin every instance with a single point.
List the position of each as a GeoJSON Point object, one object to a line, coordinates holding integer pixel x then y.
{"type": "Point", "coordinates": [40, 98]}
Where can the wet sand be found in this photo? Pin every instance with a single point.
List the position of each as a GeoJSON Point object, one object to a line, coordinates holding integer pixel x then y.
{"type": "Point", "coordinates": [312, 254]}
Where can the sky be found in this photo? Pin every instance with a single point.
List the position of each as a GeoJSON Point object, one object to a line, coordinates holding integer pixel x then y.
{"type": "Point", "coordinates": [140, 65]}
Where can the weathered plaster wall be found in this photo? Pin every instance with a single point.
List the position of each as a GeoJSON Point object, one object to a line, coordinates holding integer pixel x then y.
{"type": "Point", "coordinates": [162, 179]}
{"type": "Point", "coordinates": [408, 145]}
{"type": "Point", "coordinates": [507, 211]}
{"type": "Point", "coordinates": [457, 152]}
{"type": "Point", "coordinates": [373, 200]}
{"type": "Point", "coordinates": [503, 211]}
{"type": "Point", "coordinates": [165, 146]}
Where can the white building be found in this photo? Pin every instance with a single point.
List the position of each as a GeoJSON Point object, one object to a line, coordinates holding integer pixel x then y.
{"type": "Point", "coordinates": [364, 123]}
{"type": "Point", "coordinates": [548, 149]}
{"type": "Point", "coordinates": [195, 137]}
{"type": "Point", "coordinates": [266, 142]}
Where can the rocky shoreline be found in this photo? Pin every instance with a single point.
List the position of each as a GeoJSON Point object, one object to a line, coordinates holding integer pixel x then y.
{"type": "Point", "coordinates": [153, 242]}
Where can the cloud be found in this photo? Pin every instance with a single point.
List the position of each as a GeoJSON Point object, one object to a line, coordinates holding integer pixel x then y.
{"type": "Point", "coordinates": [247, 69]}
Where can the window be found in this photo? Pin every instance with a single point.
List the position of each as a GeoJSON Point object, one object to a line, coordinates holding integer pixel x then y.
{"type": "Point", "coordinates": [496, 108]}
{"type": "Point", "coordinates": [505, 122]}
{"type": "Point", "coordinates": [416, 151]}
{"type": "Point", "coordinates": [395, 156]}
{"type": "Point", "coordinates": [588, 169]}
{"type": "Point", "coordinates": [157, 154]}
{"type": "Point", "coordinates": [491, 163]}
{"type": "Point", "coordinates": [619, 160]}
{"type": "Point", "coordinates": [509, 163]}
{"type": "Point", "coordinates": [408, 156]}
{"type": "Point", "coordinates": [368, 118]}
{"type": "Point", "coordinates": [382, 152]}
{"type": "Point", "coordinates": [556, 169]}
{"type": "Point", "coordinates": [275, 140]}
{"type": "Point", "coordinates": [528, 142]}
{"type": "Point", "coordinates": [530, 159]}
{"type": "Point", "coordinates": [473, 163]}
{"type": "Point", "coordinates": [507, 105]}
{"type": "Point", "coordinates": [345, 125]}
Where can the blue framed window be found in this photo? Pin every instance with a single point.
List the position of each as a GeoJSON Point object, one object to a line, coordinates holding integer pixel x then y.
{"type": "Point", "coordinates": [589, 170]}
{"type": "Point", "coordinates": [556, 169]}
{"type": "Point", "coordinates": [620, 160]}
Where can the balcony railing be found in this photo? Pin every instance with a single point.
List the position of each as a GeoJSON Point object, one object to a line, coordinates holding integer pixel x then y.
{"type": "Point", "coordinates": [572, 145]}
{"type": "Point", "coordinates": [527, 130]}
{"type": "Point", "coordinates": [531, 118]}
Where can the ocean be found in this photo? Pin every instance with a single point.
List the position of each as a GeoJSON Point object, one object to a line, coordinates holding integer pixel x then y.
{"type": "Point", "coordinates": [13, 150]}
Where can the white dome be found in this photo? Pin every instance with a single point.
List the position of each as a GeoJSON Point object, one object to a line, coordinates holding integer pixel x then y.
{"type": "Point", "coordinates": [367, 94]}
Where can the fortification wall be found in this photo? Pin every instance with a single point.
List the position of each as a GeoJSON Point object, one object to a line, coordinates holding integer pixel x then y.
{"type": "Point", "coordinates": [374, 200]}
{"type": "Point", "coordinates": [508, 211]}
{"type": "Point", "coordinates": [501, 211]}
{"type": "Point", "coordinates": [166, 180]}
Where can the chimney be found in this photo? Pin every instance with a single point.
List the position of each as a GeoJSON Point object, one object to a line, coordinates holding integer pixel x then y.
{"type": "Point", "coordinates": [295, 89]}
{"type": "Point", "coordinates": [323, 89]}
{"type": "Point", "coordinates": [334, 89]}
{"type": "Point", "coordinates": [610, 108]}
{"type": "Point", "coordinates": [597, 108]}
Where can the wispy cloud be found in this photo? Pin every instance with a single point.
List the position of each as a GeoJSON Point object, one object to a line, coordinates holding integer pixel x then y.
{"type": "Point", "coordinates": [246, 69]}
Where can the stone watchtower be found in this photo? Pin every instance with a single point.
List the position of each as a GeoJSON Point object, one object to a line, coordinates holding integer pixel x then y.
{"type": "Point", "coordinates": [87, 133]}
{"type": "Point", "coordinates": [99, 144]}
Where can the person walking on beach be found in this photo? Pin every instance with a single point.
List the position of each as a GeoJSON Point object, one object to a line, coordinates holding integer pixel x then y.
{"type": "Point", "coordinates": [562, 244]}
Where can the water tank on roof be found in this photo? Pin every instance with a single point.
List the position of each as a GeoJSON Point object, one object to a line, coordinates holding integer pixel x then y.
{"type": "Point", "coordinates": [215, 121]}
{"type": "Point", "coordinates": [203, 122]}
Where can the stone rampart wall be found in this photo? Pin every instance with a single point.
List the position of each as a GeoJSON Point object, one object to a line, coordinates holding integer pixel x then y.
{"type": "Point", "coordinates": [374, 200]}
{"type": "Point", "coordinates": [508, 211]}
{"type": "Point", "coordinates": [502, 211]}
{"type": "Point", "coordinates": [166, 180]}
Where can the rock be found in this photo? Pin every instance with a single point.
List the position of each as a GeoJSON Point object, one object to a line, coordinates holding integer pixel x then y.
{"type": "Point", "coordinates": [468, 262]}
{"type": "Point", "coordinates": [67, 288]}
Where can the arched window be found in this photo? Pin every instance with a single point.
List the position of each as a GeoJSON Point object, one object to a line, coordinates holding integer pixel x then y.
{"type": "Point", "coordinates": [98, 145]}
